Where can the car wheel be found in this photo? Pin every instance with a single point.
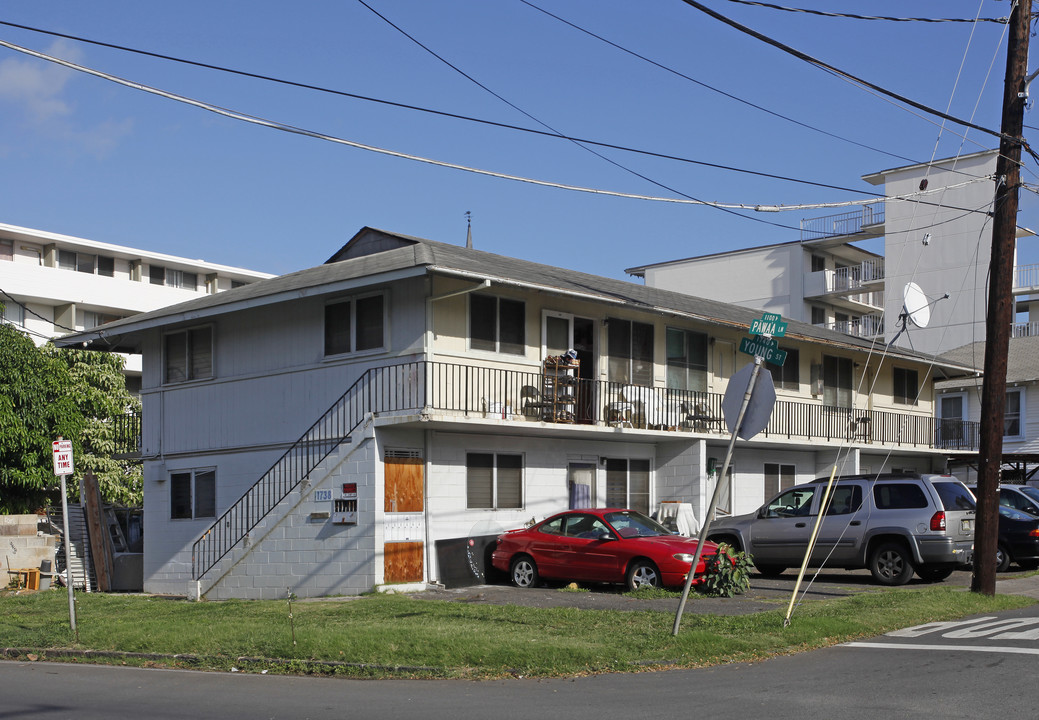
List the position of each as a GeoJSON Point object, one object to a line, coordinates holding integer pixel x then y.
{"type": "Point", "coordinates": [933, 575]}
{"type": "Point", "coordinates": [524, 572]}
{"type": "Point", "coordinates": [770, 570]}
{"type": "Point", "coordinates": [642, 573]}
{"type": "Point", "coordinates": [1002, 559]}
{"type": "Point", "coordinates": [891, 564]}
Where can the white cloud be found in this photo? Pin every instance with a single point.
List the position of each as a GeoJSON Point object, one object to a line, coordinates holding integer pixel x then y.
{"type": "Point", "coordinates": [37, 86]}
{"type": "Point", "coordinates": [40, 92]}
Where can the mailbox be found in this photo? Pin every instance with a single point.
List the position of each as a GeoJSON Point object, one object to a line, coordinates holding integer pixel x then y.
{"type": "Point", "coordinates": [344, 505]}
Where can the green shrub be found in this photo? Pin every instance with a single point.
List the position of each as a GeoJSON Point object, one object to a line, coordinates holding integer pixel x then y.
{"type": "Point", "coordinates": [727, 573]}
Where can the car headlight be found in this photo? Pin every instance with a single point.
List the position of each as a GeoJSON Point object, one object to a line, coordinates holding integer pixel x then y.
{"type": "Point", "coordinates": [683, 557]}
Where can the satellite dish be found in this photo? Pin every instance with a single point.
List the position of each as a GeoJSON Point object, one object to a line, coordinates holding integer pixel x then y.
{"type": "Point", "coordinates": [915, 306]}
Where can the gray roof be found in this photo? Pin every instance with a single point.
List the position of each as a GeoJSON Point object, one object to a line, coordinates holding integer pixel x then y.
{"type": "Point", "coordinates": [376, 256]}
{"type": "Point", "coordinates": [1022, 361]}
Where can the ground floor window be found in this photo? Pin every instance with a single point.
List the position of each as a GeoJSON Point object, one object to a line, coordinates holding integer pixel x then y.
{"type": "Point", "coordinates": [193, 494]}
{"type": "Point", "coordinates": [778, 477]}
{"type": "Point", "coordinates": [627, 484]}
{"type": "Point", "coordinates": [493, 480]}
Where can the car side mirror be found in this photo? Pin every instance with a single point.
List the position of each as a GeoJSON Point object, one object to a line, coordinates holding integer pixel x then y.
{"type": "Point", "coordinates": [606, 535]}
{"type": "Point", "coordinates": [763, 512]}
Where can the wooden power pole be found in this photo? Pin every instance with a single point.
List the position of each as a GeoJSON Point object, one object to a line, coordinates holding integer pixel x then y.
{"type": "Point", "coordinates": [1001, 300]}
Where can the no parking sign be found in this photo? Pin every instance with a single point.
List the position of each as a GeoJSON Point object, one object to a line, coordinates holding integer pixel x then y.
{"type": "Point", "coordinates": [62, 456]}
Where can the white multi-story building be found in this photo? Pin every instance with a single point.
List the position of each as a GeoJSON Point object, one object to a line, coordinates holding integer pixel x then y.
{"type": "Point", "coordinates": [53, 284]}
{"type": "Point", "coordinates": [940, 241]}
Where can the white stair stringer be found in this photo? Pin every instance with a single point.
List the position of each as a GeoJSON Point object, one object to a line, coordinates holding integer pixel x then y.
{"type": "Point", "coordinates": [223, 572]}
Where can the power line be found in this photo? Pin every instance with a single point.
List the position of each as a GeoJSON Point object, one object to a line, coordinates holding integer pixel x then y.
{"type": "Point", "coordinates": [1001, 21]}
{"type": "Point", "coordinates": [506, 126]}
{"type": "Point", "coordinates": [274, 125]}
{"type": "Point", "coordinates": [455, 116]}
{"type": "Point", "coordinates": [547, 126]}
{"type": "Point", "coordinates": [712, 88]}
{"type": "Point", "coordinates": [848, 76]}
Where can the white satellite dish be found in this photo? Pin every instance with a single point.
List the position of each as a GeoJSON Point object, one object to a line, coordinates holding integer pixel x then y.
{"type": "Point", "coordinates": [915, 306]}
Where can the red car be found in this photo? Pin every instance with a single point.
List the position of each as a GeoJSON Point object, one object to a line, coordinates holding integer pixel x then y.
{"type": "Point", "coordinates": [606, 545]}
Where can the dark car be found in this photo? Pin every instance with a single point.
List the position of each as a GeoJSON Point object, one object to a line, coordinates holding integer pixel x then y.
{"type": "Point", "coordinates": [605, 545]}
{"type": "Point", "coordinates": [1018, 539]}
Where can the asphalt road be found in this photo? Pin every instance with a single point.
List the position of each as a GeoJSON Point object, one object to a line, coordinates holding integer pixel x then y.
{"type": "Point", "coordinates": [973, 669]}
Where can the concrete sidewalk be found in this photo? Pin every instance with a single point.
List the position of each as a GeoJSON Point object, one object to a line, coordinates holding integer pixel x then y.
{"type": "Point", "coordinates": [1028, 586]}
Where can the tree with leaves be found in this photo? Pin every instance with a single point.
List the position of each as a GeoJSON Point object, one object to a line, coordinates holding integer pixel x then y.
{"type": "Point", "coordinates": [46, 393]}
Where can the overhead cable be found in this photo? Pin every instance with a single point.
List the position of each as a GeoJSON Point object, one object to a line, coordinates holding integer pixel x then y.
{"type": "Point", "coordinates": [853, 78]}
{"type": "Point", "coordinates": [274, 125]}
{"type": "Point", "coordinates": [1001, 20]}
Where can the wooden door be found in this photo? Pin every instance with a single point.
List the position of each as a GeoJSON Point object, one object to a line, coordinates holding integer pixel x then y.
{"type": "Point", "coordinates": [403, 506]}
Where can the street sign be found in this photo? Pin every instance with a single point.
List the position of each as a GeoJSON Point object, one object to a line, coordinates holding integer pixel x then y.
{"type": "Point", "coordinates": [758, 412]}
{"type": "Point", "coordinates": [62, 457]}
{"type": "Point", "coordinates": [764, 347]}
{"type": "Point", "coordinates": [768, 324]}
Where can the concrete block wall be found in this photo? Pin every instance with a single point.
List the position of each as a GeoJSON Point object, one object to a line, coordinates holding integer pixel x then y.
{"type": "Point", "coordinates": [296, 551]}
{"type": "Point", "coordinates": [25, 543]}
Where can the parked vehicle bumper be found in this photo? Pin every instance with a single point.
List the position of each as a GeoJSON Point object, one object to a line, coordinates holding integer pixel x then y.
{"type": "Point", "coordinates": [945, 551]}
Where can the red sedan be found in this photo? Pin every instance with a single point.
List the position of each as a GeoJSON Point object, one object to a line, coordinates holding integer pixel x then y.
{"type": "Point", "coordinates": [605, 545]}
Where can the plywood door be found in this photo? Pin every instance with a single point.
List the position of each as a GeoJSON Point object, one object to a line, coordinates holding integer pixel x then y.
{"type": "Point", "coordinates": [402, 561]}
{"type": "Point", "coordinates": [403, 484]}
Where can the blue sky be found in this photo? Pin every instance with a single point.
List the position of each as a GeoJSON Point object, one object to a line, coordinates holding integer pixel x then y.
{"type": "Point", "coordinates": [86, 157]}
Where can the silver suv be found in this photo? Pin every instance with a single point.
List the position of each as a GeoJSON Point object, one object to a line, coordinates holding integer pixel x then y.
{"type": "Point", "coordinates": [892, 524]}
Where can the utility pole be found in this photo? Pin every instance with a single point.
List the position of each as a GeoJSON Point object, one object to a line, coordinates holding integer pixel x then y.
{"type": "Point", "coordinates": [1001, 300]}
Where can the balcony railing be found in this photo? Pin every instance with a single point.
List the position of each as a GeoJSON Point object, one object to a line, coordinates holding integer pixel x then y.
{"type": "Point", "coordinates": [849, 223]}
{"type": "Point", "coordinates": [1026, 276]}
{"type": "Point", "coordinates": [472, 392]}
{"type": "Point", "coordinates": [867, 326]}
{"type": "Point", "coordinates": [1025, 329]}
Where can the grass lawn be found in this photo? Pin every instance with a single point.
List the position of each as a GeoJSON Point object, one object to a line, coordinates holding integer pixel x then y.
{"type": "Point", "coordinates": [395, 635]}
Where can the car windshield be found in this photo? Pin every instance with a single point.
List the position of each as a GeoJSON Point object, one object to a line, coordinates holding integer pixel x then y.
{"type": "Point", "coordinates": [1030, 492]}
{"type": "Point", "coordinates": [955, 496]}
{"type": "Point", "coordinates": [630, 524]}
{"type": "Point", "coordinates": [1013, 514]}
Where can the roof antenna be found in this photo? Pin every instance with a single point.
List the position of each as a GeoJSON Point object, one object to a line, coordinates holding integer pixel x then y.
{"type": "Point", "coordinates": [468, 230]}
{"type": "Point", "coordinates": [915, 309]}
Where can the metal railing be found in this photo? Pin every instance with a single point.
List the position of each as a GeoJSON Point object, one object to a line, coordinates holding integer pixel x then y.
{"type": "Point", "coordinates": [1025, 329]}
{"type": "Point", "coordinates": [396, 387]}
{"type": "Point", "coordinates": [126, 432]}
{"type": "Point", "coordinates": [1026, 276]}
{"type": "Point", "coordinates": [848, 223]}
{"type": "Point", "coordinates": [866, 326]}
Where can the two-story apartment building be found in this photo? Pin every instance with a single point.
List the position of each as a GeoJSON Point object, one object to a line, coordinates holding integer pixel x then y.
{"type": "Point", "coordinates": [51, 284]}
{"type": "Point", "coordinates": [350, 425]}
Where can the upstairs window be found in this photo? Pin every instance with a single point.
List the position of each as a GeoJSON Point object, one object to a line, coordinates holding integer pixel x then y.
{"type": "Point", "coordinates": [907, 386]}
{"type": "Point", "coordinates": [837, 381]}
{"type": "Point", "coordinates": [686, 360]}
{"type": "Point", "coordinates": [787, 375]}
{"type": "Point", "coordinates": [355, 325]}
{"type": "Point", "coordinates": [86, 263]}
{"type": "Point", "coordinates": [159, 275]}
{"type": "Point", "coordinates": [12, 313]}
{"type": "Point", "coordinates": [188, 355]}
{"type": "Point", "coordinates": [92, 319]}
{"type": "Point", "coordinates": [630, 346]}
{"type": "Point", "coordinates": [1012, 414]}
{"type": "Point", "coordinates": [497, 324]}
{"type": "Point", "coordinates": [6, 250]}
